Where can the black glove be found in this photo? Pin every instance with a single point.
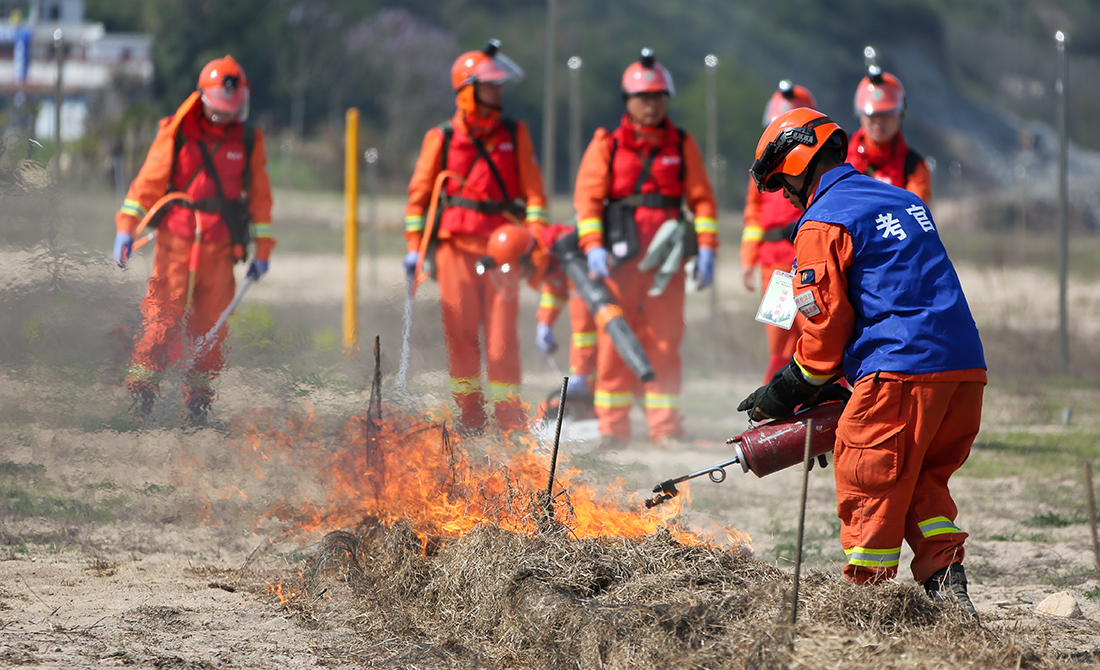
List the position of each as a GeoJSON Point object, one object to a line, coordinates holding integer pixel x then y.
{"type": "Point", "coordinates": [830, 392]}
{"type": "Point", "coordinates": [778, 398]}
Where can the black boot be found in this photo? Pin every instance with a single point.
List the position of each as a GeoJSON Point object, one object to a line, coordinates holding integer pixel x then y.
{"type": "Point", "coordinates": [198, 413]}
{"type": "Point", "coordinates": [951, 579]}
{"type": "Point", "coordinates": [144, 398]}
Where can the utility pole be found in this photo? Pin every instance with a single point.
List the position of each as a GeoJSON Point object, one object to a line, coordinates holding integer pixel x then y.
{"type": "Point", "coordinates": [548, 105]}
{"type": "Point", "coordinates": [1061, 39]}
{"type": "Point", "coordinates": [58, 99]}
{"type": "Point", "coordinates": [575, 63]}
{"type": "Point", "coordinates": [711, 61]}
{"type": "Point", "coordinates": [371, 156]}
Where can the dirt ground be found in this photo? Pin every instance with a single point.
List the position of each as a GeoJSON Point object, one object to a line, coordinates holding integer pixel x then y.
{"type": "Point", "coordinates": [158, 547]}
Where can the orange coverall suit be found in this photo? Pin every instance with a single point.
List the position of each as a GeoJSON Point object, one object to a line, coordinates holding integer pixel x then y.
{"type": "Point", "coordinates": [769, 221]}
{"type": "Point", "coordinates": [901, 435]}
{"type": "Point", "coordinates": [895, 163]}
{"type": "Point", "coordinates": [163, 307]}
{"type": "Point", "coordinates": [658, 321]}
{"type": "Point", "coordinates": [469, 301]}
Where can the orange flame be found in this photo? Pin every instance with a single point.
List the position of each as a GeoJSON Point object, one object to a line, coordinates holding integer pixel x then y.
{"type": "Point", "coordinates": [409, 469]}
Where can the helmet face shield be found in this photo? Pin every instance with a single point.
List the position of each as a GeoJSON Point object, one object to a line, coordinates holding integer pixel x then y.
{"type": "Point", "coordinates": [477, 66]}
{"type": "Point", "coordinates": [226, 101]}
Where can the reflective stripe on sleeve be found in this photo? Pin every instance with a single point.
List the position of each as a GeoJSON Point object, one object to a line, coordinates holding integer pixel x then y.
{"type": "Point", "coordinates": [133, 208]}
{"type": "Point", "coordinates": [536, 213]}
{"type": "Point", "coordinates": [587, 226]}
{"type": "Point", "coordinates": [873, 558]}
{"type": "Point", "coordinates": [816, 380]}
{"type": "Point", "coordinates": [414, 223]}
{"type": "Point", "coordinates": [938, 525]}
{"type": "Point", "coordinates": [550, 301]}
{"type": "Point", "coordinates": [261, 230]}
{"type": "Point", "coordinates": [752, 234]}
{"type": "Point", "coordinates": [706, 225]}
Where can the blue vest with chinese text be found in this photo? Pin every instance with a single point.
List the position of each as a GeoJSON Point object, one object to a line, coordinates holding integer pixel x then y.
{"type": "Point", "coordinates": [911, 314]}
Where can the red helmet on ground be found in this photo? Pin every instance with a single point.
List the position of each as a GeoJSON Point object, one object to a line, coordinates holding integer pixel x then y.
{"type": "Point", "coordinates": [508, 245]}
{"type": "Point", "coordinates": [224, 89]}
{"type": "Point", "coordinates": [879, 92]}
{"type": "Point", "coordinates": [790, 143]}
{"type": "Point", "coordinates": [487, 65]}
{"type": "Point", "coordinates": [647, 76]}
{"type": "Point", "coordinates": [787, 96]}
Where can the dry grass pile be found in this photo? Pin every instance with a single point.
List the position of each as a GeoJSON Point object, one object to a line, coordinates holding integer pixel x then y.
{"type": "Point", "coordinates": [498, 599]}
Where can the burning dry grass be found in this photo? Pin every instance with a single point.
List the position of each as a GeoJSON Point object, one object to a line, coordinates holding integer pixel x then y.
{"type": "Point", "coordinates": [452, 561]}
{"type": "Point", "coordinates": [500, 599]}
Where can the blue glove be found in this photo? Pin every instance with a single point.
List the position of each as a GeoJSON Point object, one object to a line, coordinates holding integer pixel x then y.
{"type": "Point", "coordinates": [257, 269]}
{"type": "Point", "coordinates": [597, 263]}
{"type": "Point", "coordinates": [124, 246]}
{"type": "Point", "coordinates": [544, 338]}
{"type": "Point", "coordinates": [704, 268]}
{"type": "Point", "coordinates": [410, 265]}
{"type": "Point", "coordinates": [578, 385]}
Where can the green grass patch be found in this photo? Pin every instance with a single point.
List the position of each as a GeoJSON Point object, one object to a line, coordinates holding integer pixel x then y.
{"type": "Point", "coordinates": [1035, 454]}
{"type": "Point", "coordinates": [1055, 520]}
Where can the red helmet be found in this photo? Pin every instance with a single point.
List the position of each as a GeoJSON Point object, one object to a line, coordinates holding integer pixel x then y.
{"type": "Point", "coordinates": [879, 92]}
{"type": "Point", "coordinates": [508, 245]}
{"type": "Point", "coordinates": [647, 76]}
{"type": "Point", "coordinates": [487, 65]}
{"type": "Point", "coordinates": [787, 96]}
{"type": "Point", "coordinates": [224, 89]}
{"type": "Point", "coordinates": [790, 142]}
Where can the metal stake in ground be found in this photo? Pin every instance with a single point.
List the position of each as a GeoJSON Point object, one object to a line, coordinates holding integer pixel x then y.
{"type": "Point", "coordinates": [554, 455]}
{"type": "Point", "coordinates": [801, 524]}
{"type": "Point", "coordinates": [1092, 515]}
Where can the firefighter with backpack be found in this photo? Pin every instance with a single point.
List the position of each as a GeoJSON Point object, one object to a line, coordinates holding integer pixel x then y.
{"type": "Point", "coordinates": [212, 170]}
{"type": "Point", "coordinates": [484, 164]}
{"type": "Point", "coordinates": [631, 185]}
{"type": "Point", "coordinates": [766, 241]}
{"type": "Point", "coordinates": [878, 149]}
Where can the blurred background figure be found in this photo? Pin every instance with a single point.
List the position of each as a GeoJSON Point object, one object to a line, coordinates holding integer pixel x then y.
{"type": "Point", "coordinates": [631, 185]}
{"type": "Point", "coordinates": [766, 241]}
{"type": "Point", "coordinates": [878, 148]}
{"type": "Point", "coordinates": [205, 151]}
{"type": "Point", "coordinates": [500, 183]}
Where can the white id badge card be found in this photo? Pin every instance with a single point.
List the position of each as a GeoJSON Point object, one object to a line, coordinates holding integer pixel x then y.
{"type": "Point", "coordinates": [778, 307]}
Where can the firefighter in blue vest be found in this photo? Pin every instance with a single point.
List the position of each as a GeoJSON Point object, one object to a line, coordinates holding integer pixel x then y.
{"type": "Point", "coordinates": [885, 310]}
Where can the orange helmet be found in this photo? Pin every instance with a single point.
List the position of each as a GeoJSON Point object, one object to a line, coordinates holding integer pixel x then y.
{"type": "Point", "coordinates": [790, 143]}
{"type": "Point", "coordinates": [487, 65]}
{"type": "Point", "coordinates": [647, 76]}
{"type": "Point", "coordinates": [224, 89]}
{"type": "Point", "coordinates": [787, 96]}
{"type": "Point", "coordinates": [879, 92]}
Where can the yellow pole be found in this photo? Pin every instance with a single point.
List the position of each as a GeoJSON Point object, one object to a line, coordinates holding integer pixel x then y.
{"type": "Point", "coordinates": [351, 232]}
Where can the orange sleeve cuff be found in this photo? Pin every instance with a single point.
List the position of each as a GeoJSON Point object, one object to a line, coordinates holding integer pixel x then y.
{"type": "Point", "coordinates": [264, 245]}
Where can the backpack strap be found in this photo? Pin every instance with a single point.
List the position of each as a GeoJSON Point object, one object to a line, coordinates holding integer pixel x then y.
{"type": "Point", "coordinates": [912, 160]}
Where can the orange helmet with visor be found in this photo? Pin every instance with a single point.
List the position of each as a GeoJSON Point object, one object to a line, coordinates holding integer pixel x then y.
{"type": "Point", "coordinates": [223, 87]}
{"type": "Point", "coordinates": [790, 144]}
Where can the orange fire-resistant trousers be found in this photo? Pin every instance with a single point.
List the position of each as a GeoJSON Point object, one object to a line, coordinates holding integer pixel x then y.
{"type": "Point", "coordinates": [582, 344]}
{"type": "Point", "coordinates": [469, 303]}
{"type": "Point", "coordinates": [159, 343]}
{"type": "Point", "coordinates": [898, 442]}
{"type": "Point", "coordinates": [658, 322]}
{"type": "Point", "coordinates": [781, 343]}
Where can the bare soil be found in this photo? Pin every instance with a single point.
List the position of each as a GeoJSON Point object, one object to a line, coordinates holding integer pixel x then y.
{"type": "Point", "coordinates": [158, 547]}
